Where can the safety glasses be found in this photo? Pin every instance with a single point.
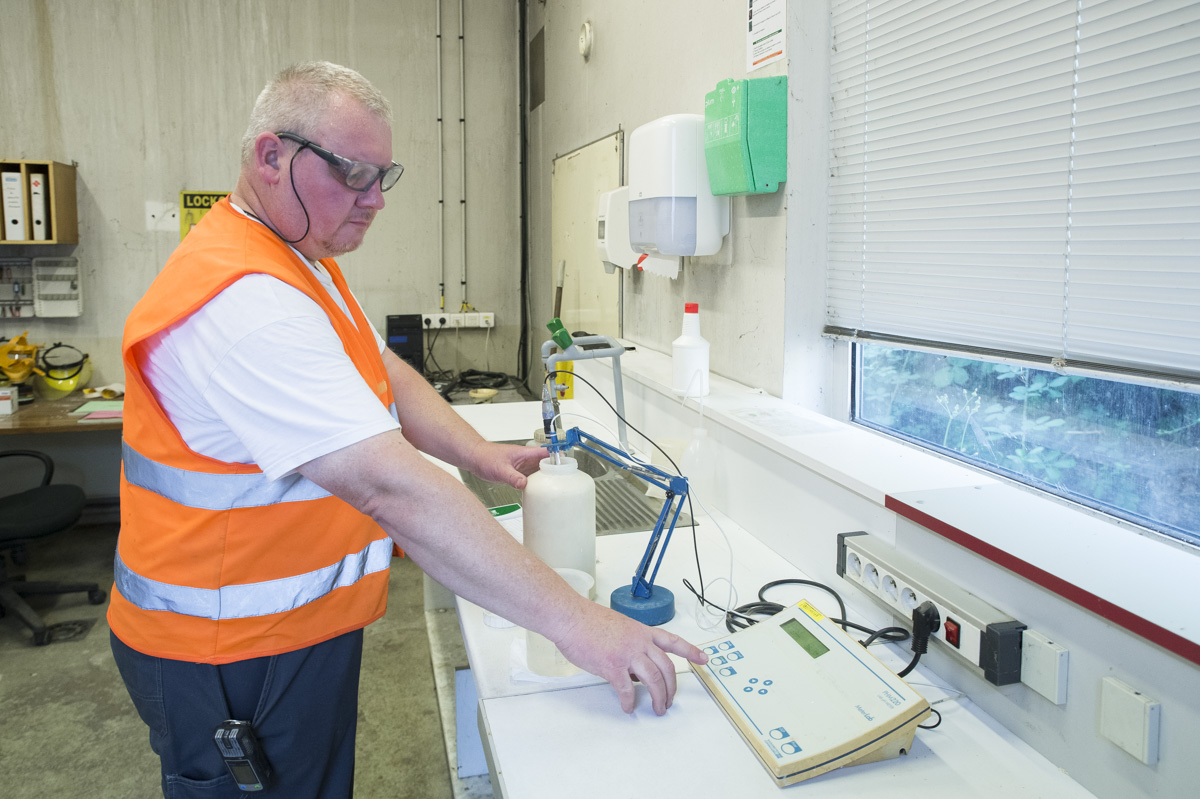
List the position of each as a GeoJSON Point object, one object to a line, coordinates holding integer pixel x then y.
{"type": "Point", "coordinates": [357, 175]}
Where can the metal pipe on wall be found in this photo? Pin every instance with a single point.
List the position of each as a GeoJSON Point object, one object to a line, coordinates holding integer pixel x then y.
{"type": "Point", "coordinates": [523, 337]}
{"type": "Point", "coordinates": [462, 120]}
{"type": "Point", "coordinates": [441, 168]}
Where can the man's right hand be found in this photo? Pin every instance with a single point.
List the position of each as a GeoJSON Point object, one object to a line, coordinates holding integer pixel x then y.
{"type": "Point", "coordinates": [622, 650]}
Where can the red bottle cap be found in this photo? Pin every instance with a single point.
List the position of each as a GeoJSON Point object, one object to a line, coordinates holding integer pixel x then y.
{"type": "Point", "coordinates": [691, 307]}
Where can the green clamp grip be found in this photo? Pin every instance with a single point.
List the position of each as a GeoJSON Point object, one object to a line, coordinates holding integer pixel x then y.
{"type": "Point", "coordinates": [559, 333]}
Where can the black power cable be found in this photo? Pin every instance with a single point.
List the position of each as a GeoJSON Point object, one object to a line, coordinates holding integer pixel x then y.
{"type": "Point", "coordinates": [742, 617]}
{"type": "Point", "coordinates": [934, 725]}
{"type": "Point", "coordinates": [471, 379]}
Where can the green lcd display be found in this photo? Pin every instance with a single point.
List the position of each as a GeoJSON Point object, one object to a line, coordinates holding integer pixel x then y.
{"type": "Point", "coordinates": [800, 634]}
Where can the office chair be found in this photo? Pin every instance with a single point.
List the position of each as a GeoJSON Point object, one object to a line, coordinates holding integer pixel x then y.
{"type": "Point", "coordinates": [29, 515]}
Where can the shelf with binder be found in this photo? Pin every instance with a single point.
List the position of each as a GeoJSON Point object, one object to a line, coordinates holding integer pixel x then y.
{"type": "Point", "coordinates": [38, 200]}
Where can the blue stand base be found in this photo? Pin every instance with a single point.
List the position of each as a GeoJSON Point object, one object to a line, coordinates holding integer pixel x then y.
{"type": "Point", "coordinates": [658, 608]}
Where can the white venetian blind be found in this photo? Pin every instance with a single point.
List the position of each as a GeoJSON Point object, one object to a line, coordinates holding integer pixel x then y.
{"type": "Point", "coordinates": [1020, 176]}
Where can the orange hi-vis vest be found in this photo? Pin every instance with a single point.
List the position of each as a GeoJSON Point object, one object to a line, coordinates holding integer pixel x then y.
{"type": "Point", "coordinates": [215, 563]}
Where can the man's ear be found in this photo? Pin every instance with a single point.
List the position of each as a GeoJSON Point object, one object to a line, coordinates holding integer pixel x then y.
{"type": "Point", "coordinates": [268, 157]}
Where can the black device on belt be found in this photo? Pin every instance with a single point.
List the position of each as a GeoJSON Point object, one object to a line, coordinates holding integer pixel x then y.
{"type": "Point", "coordinates": [243, 755]}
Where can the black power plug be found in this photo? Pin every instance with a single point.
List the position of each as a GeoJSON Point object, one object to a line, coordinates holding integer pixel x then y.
{"type": "Point", "coordinates": [926, 621]}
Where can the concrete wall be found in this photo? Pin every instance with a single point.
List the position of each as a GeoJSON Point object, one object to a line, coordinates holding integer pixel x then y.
{"type": "Point", "coordinates": [649, 60]}
{"type": "Point", "coordinates": [152, 96]}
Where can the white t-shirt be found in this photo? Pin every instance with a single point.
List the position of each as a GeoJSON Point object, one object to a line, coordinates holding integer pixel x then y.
{"type": "Point", "coordinates": [259, 375]}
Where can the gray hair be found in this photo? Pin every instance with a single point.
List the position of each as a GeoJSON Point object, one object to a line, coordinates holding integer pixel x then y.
{"type": "Point", "coordinates": [299, 96]}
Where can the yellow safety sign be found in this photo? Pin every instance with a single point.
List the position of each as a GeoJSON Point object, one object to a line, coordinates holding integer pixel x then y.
{"type": "Point", "coordinates": [193, 205]}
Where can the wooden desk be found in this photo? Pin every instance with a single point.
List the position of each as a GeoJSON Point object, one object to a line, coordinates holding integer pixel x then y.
{"type": "Point", "coordinates": [91, 458]}
{"type": "Point", "coordinates": [41, 416]}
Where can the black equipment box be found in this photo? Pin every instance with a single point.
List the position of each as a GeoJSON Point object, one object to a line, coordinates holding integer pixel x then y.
{"type": "Point", "coordinates": [405, 337]}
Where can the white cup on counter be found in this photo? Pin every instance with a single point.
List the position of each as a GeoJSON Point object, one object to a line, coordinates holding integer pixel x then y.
{"type": "Point", "coordinates": [542, 655]}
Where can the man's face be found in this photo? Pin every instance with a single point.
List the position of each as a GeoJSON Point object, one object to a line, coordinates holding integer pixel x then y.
{"type": "Point", "coordinates": [338, 217]}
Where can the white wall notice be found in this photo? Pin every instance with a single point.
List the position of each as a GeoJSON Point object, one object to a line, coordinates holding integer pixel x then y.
{"type": "Point", "coordinates": [766, 32]}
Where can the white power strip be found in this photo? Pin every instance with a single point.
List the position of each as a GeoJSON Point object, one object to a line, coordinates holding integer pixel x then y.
{"type": "Point", "coordinates": [445, 321]}
{"type": "Point", "coordinates": [985, 637]}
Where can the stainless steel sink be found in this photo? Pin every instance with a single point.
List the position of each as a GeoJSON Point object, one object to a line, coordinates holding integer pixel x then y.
{"type": "Point", "coordinates": [622, 505]}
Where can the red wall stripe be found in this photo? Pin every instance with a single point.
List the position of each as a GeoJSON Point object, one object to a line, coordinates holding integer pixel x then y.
{"type": "Point", "coordinates": [1172, 642]}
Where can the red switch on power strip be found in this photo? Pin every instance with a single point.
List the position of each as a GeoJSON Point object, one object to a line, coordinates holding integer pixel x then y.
{"type": "Point", "coordinates": [952, 629]}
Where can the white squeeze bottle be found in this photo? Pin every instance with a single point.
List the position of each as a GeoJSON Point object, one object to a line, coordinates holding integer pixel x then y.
{"type": "Point", "coordinates": [559, 511]}
{"type": "Point", "coordinates": [689, 356]}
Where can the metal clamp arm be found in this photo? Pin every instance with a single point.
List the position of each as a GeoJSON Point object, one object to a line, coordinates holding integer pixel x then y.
{"type": "Point", "coordinates": [640, 600]}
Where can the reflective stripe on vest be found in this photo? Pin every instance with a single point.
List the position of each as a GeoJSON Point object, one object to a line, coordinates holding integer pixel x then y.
{"type": "Point", "coordinates": [209, 491]}
{"type": "Point", "coordinates": [252, 599]}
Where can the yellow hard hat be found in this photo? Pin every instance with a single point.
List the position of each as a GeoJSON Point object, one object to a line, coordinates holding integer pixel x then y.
{"type": "Point", "coordinates": [62, 370]}
{"type": "Point", "coordinates": [17, 358]}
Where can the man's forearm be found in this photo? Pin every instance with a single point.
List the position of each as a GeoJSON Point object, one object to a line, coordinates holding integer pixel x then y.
{"type": "Point", "coordinates": [437, 521]}
{"type": "Point", "coordinates": [427, 420]}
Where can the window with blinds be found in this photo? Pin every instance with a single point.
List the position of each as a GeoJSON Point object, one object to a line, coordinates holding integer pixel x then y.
{"type": "Point", "coordinates": [1019, 178]}
{"type": "Point", "coordinates": [1014, 213]}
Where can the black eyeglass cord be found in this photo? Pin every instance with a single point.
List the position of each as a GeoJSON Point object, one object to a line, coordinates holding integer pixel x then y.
{"type": "Point", "coordinates": [307, 221]}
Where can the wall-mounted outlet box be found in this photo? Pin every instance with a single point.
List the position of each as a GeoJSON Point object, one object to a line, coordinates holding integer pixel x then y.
{"type": "Point", "coordinates": [474, 319]}
{"type": "Point", "coordinates": [1044, 666]}
{"type": "Point", "coordinates": [1130, 719]}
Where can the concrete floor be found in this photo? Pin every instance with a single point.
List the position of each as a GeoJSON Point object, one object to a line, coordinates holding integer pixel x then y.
{"type": "Point", "coordinates": [67, 721]}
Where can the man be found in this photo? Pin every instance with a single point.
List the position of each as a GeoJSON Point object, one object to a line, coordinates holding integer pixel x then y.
{"type": "Point", "coordinates": [258, 518]}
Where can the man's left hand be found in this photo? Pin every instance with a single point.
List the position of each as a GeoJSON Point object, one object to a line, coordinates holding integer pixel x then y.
{"type": "Point", "coordinates": [506, 463]}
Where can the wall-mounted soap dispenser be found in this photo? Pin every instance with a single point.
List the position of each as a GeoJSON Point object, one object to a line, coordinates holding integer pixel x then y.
{"type": "Point", "coordinates": [672, 210]}
{"type": "Point", "coordinates": [612, 239]}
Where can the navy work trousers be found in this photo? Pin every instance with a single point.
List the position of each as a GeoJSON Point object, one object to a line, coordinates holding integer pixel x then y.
{"type": "Point", "coordinates": [303, 706]}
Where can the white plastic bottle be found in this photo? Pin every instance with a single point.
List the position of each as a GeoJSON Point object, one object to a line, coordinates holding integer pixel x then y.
{"type": "Point", "coordinates": [559, 511]}
{"type": "Point", "coordinates": [689, 356]}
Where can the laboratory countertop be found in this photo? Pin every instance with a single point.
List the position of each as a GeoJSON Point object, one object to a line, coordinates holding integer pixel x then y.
{"type": "Point", "coordinates": [41, 416]}
{"type": "Point", "coordinates": [569, 737]}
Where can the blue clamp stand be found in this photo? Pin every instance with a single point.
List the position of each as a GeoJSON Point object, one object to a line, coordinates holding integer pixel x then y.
{"type": "Point", "coordinates": [641, 600]}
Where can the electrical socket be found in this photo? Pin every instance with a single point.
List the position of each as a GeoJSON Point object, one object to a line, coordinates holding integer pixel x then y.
{"type": "Point", "coordinates": [440, 320]}
{"type": "Point", "coordinates": [971, 629]}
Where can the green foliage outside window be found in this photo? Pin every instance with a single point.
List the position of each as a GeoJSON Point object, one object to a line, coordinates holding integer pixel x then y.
{"type": "Point", "coordinates": [1131, 450]}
